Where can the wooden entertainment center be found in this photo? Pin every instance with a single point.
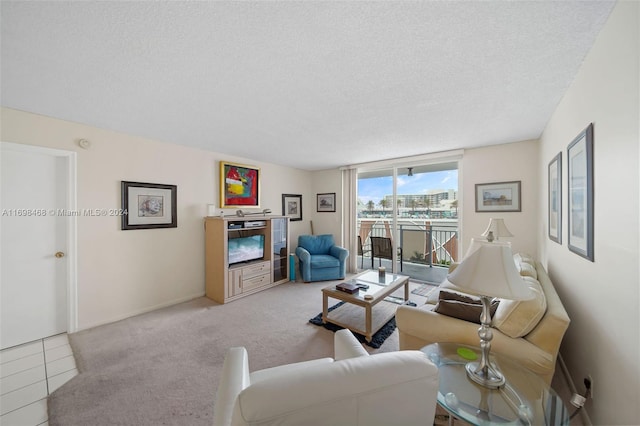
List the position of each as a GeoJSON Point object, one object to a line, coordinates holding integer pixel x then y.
{"type": "Point", "coordinates": [226, 282]}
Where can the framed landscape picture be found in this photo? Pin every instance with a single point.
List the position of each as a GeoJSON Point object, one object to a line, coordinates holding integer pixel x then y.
{"type": "Point", "coordinates": [292, 206]}
{"type": "Point", "coordinates": [326, 202]}
{"type": "Point", "coordinates": [239, 185]}
{"type": "Point", "coordinates": [580, 171]}
{"type": "Point", "coordinates": [555, 199]}
{"type": "Point", "coordinates": [148, 205]}
{"type": "Point", "coordinates": [498, 197]}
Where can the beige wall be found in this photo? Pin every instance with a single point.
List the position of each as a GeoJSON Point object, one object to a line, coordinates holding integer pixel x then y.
{"type": "Point", "coordinates": [498, 163]}
{"type": "Point", "coordinates": [602, 297]}
{"type": "Point", "coordinates": [327, 181]}
{"type": "Point", "coordinates": [502, 163]}
{"type": "Point", "coordinates": [123, 273]}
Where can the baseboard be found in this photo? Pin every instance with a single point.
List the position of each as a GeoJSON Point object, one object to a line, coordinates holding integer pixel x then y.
{"type": "Point", "coordinates": [572, 387]}
{"type": "Point", "coordinates": [143, 311]}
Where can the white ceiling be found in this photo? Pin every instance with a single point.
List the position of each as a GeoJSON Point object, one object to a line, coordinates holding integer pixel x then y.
{"type": "Point", "coordinates": [312, 85]}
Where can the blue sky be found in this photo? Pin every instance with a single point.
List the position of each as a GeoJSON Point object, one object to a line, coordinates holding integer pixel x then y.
{"type": "Point", "coordinates": [375, 189]}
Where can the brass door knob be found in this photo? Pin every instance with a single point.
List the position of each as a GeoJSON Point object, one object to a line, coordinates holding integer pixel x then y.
{"type": "Point", "coordinates": [59, 255]}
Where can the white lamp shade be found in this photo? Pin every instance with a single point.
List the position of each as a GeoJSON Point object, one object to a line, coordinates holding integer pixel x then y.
{"type": "Point", "coordinates": [488, 269]}
{"type": "Point", "coordinates": [498, 228]}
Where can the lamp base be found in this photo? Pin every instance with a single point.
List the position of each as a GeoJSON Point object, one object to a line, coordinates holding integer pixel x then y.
{"type": "Point", "coordinates": [486, 376]}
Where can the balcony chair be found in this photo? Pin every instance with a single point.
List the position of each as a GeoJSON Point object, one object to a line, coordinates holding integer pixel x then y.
{"type": "Point", "coordinates": [353, 388]}
{"type": "Point", "coordinates": [320, 258]}
{"type": "Point", "coordinates": [382, 248]}
{"type": "Point", "coordinates": [362, 252]}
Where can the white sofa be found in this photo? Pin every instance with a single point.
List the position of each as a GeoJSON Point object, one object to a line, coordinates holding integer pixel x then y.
{"type": "Point", "coordinates": [529, 332]}
{"type": "Point", "coordinates": [354, 388]}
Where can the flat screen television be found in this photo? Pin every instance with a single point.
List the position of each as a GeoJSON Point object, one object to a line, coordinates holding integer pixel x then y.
{"type": "Point", "coordinates": [244, 249]}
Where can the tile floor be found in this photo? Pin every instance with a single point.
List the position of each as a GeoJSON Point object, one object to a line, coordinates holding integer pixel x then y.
{"type": "Point", "coordinates": [30, 372]}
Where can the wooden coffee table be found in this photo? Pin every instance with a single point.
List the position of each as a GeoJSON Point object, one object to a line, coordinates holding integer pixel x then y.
{"type": "Point", "coordinates": [349, 315]}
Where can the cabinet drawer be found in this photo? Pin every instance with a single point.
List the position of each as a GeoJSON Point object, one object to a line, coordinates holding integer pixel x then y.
{"type": "Point", "coordinates": [254, 282]}
{"type": "Point", "coordinates": [257, 269]}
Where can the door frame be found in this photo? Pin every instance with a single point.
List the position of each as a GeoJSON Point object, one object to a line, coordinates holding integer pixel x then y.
{"type": "Point", "coordinates": [71, 258]}
{"type": "Point", "coordinates": [392, 166]}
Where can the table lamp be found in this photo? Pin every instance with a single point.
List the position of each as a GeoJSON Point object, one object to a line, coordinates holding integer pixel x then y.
{"type": "Point", "coordinates": [496, 229]}
{"type": "Point", "coordinates": [488, 270]}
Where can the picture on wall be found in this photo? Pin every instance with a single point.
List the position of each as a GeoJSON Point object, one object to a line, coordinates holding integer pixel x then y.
{"type": "Point", "coordinates": [327, 202]}
{"type": "Point", "coordinates": [498, 197]}
{"type": "Point", "coordinates": [292, 206]}
{"type": "Point", "coordinates": [148, 205]}
{"type": "Point", "coordinates": [239, 185]}
{"type": "Point", "coordinates": [580, 171]}
{"type": "Point", "coordinates": [555, 199]}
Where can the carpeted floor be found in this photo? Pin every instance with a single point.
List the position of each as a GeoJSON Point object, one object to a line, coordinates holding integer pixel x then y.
{"type": "Point", "coordinates": [162, 368]}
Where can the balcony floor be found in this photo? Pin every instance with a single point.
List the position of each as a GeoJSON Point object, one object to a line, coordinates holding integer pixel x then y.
{"type": "Point", "coordinates": [417, 271]}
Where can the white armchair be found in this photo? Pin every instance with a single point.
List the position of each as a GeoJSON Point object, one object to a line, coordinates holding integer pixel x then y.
{"type": "Point", "coordinates": [355, 388]}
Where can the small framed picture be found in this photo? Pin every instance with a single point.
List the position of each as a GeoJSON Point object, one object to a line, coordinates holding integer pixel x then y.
{"type": "Point", "coordinates": [580, 209]}
{"type": "Point", "coordinates": [327, 202]}
{"type": "Point", "coordinates": [292, 206]}
{"type": "Point", "coordinates": [148, 205]}
{"type": "Point", "coordinates": [555, 199]}
{"type": "Point", "coordinates": [498, 197]}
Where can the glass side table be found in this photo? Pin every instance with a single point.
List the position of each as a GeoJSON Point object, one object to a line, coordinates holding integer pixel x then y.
{"type": "Point", "coordinates": [525, 399]}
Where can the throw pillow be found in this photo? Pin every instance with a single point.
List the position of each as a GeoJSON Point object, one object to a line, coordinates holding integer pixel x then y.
{"type": "Point", "coordinates": [523, 257]}
{"type": "Point", "coordinates": [459, 297]}
{"type": "Point", "coordinates": [434, 296]}
{"type": "Point", "coordinates": [467, 308]}
{"type": "Point", "coordinates": [526, 270]}
{"type": "Point", "coordinates": [516, 318]}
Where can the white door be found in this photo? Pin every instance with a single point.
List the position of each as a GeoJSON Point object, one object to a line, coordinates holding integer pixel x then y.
{"type": "Point", "coordinates": [34, 234]}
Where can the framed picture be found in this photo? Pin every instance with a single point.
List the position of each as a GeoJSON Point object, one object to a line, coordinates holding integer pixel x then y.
{"type": "Point", "coordinates": [555, 199]}
{"type": "Point", "coordinates": [326, 202]}
{"type": "Point", "coordinates": [498, 197]}
{"type": "Point", "coordinates": [292, 206]}
{"type": "Point", "coordinates": [580, 168]}
{"type": "Point", "coordinates": [148, 205]}
{"type": "Point", "coordinates": [239, 185]}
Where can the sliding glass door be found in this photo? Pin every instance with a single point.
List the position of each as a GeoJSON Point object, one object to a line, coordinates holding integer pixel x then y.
{"type": "Point", "coordinates": [408, 219]}
{"type": "Point", "coordinates": [376, 219]}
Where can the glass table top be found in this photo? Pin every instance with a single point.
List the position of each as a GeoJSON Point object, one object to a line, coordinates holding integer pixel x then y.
{"type": "Point", "coordinates": [525, 399]}
{"type": "Point", "coordinates": [373, 277]}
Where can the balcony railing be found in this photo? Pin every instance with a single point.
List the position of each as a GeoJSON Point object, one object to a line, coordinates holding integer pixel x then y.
{"type": "Point", "coordinates": [425, 242]}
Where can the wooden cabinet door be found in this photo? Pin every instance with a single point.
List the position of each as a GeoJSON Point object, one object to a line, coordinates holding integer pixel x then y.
{"type": "Point", "coordinates": [235, 282]}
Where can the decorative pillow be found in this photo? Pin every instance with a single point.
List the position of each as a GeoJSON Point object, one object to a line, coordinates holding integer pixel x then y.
{"type": "Point", "coordinates": [434, 296]}
{"type": "Point", "coordinates": [527, 270]}
{"type": "Point", "coordinates": [458, 297]}
{"type": "Point", "coordinates": [524, 258]}
{"type": "Point", "coordinates": [516, 318]}
{"type": "Point", "coordinates": [461, 306]}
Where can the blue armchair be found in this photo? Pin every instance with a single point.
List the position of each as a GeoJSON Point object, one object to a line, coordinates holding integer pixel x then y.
{"type": "Point", "coordinates": [320, 259]}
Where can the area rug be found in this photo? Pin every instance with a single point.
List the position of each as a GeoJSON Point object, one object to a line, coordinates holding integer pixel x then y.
{"type": "Point", "coordinates": [376, 340]}
{"type": "Point", "coordinates": [424, 289]}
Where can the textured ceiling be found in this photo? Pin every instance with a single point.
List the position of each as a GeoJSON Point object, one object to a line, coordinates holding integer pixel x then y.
{"type": "Point", "coordinates": [312, 84]}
